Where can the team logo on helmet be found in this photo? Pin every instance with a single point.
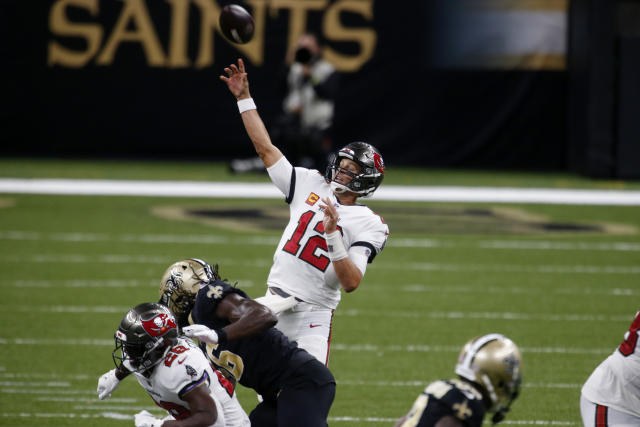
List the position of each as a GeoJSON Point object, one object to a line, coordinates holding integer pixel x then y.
{"type": "Point", "coordinates": [158, 325]}
{"type": "Point", "coordinates": [378, 163]}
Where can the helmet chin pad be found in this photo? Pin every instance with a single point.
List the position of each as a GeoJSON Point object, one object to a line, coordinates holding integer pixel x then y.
{"type": "Point", "coordinates": [338, 188]}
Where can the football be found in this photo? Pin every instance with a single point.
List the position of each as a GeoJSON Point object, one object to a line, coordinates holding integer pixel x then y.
{"type": "Point", "coordinates": [236, 24]}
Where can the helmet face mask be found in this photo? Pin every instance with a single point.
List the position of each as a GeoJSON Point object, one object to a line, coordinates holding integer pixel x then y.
{"type": "Point", "coordinates": [371, 174]}
{"type": "Point", "coordinates": [144, 335]}
{"type": "Point", "coordinates": [493, 362]}
{"type": "Point", "coordinates": [180, 284]}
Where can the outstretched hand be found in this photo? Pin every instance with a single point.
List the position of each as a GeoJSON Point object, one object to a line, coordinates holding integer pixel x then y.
{"type": "Point", "coordinates": [236, 80]}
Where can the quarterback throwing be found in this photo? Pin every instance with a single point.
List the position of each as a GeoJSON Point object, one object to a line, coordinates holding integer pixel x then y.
{"type": "Point", "coordinates": [330, 238]}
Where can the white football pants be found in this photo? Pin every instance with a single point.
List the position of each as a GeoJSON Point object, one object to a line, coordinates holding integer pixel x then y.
{"type": "Point", "coordinates": [594, 415]}
{"type": "Point", "coordinates": [310, 326]}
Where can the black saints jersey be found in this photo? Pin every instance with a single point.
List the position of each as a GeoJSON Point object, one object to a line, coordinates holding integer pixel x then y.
{"type": "Point", "coordinates": [260, 362]}
{"type": "Point", "coordinates": [447, 398]}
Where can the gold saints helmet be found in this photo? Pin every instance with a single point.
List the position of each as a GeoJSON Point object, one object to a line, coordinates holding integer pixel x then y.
{"type": "Point", "coordinates": [180, 285]}
{"type": "Point", "coordinates": [494, 363]}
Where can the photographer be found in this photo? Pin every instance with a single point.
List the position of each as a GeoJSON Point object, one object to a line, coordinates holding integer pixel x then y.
{"type": "Point", "coordinates": [303, 130]}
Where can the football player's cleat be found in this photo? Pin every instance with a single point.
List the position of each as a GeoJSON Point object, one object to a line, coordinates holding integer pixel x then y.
{"type": "Point", "coordinates": [144, 334]}
{"type": "Point", "coordinates": [371, 165]}
{"type": "Point", "coordinates": [494, 363]}
{"type": "Point", "coordinates": [180, 285]}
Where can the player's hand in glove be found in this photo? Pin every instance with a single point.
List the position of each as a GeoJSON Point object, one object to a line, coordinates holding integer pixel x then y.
{"type": "Point", "coordinates": [107, 383]}
{"type": "Point", "coordinates": [202, 333]}
{"type": "Point", "coordinates": [146, 419]}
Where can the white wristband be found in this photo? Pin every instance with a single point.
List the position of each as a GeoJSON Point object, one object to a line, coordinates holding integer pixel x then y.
{"type": "Point", "coordinates": [246, 105]}
{"type": "Point", "coordinates": [335, 246]}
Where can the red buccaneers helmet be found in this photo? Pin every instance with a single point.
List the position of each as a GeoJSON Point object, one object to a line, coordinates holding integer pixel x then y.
{"type": "Point", "coordinates": [144, 334]}
{"type": "Point", "coordinates": [371, 169]}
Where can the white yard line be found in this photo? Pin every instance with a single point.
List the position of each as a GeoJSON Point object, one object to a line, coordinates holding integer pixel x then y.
{"type": "Point", "coordinates": [451, 315]}
{"type": "Point", "coordinates": [269, 191]}
{"type": "Point", "coordinates": [440, 288]}
{"type": "Point", "coordinates": [123, 416]}
{"type": "Point", "coordinates": [88, 283]}
{"type": "Point", "coordinates": [337, 346]}
{"type": "Point", "coordinates": [425, 383]}
{"type": "Point", "coordinates": [204, 239]}
{"type": "Point", "coordinates": [459, 315]}
{"type": "Point", "coordinates": [85, 400]}
{"type": "Point", "coordinates": [266, 262]}
{"type": "Point", "coordinates": [54, 385]}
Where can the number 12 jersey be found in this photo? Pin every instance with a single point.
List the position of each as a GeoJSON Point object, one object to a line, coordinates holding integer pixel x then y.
{"type": "Point", "coordinates": [301, 266]}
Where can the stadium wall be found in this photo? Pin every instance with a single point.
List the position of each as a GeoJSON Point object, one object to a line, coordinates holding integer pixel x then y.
{"type": "Point", "coordinates": [481, 84]}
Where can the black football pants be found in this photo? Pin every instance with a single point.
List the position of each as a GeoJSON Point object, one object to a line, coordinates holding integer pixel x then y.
{"type": "Point", "coordinates": [304, 401]}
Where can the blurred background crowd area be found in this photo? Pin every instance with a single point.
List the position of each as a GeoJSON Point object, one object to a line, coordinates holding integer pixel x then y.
{"type": "Point", "coordinates": [548, 85]}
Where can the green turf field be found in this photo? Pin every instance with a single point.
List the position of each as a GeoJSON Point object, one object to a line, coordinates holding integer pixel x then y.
{"type": "Point", "coordinates": [561, 281]}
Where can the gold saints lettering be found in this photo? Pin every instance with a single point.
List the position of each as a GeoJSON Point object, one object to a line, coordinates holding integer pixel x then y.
{"type": "Point", "coordinates": [135, 25]}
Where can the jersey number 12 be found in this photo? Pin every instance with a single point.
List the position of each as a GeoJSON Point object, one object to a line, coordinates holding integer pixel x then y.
{"type": "Point", "coordinates": [321, 262]}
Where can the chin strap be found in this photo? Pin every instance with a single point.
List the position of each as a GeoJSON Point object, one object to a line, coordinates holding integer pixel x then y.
{"type": "Point", "coordinates": [338, 188]}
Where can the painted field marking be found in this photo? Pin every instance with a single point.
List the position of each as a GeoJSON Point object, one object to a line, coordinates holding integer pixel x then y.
{"type": "Point", "coordinates": [269, 191]}
{"type": "Point", "coordinates": [338, 347]}
{"type": "Point", "coordinates": [47, 391]}
{"type": "Point", "coordinates": [54, 384]}
{"type": "Point", "coordinates": [355, 382]}
{"type": "Point", "coordinates": [370, 286]}
{"type": "Point", "coordinates": [205, 239]}
{"type": "Point", "coordinates": [81, 399]}
{"type": "Point", "coordinates": [111, 415]}
{"type": "Point", "coordinates": [43, 375]}
{"type": "Point", "coordinates": [121, 416]}
{"type": "Point", "coordinates": [516, 290]}
{"type": "Point", "coordinates": [426, 383]}
{"type": "Point", "coordinates": [454, 315]}
{"type": "Point", "coordinates": [266, 262]}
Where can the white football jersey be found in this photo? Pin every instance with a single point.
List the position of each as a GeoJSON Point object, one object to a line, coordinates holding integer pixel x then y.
{"type": "Point", "coordinates": [616, 381]}
{"type": "Point", "coordinates": [184, 368]}
{"type": "Point", "coordinates": [301, 265]}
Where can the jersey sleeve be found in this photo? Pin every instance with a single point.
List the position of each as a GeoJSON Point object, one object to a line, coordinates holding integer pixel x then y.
{"type": "Point", "coordinates": [288, 179]}
{"type": "Point", "coordinates": [373, 237]}
{"type": "Point", "coordinates": [283, 175]}
{"type": "Point", "coordinates": [186, 370]}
